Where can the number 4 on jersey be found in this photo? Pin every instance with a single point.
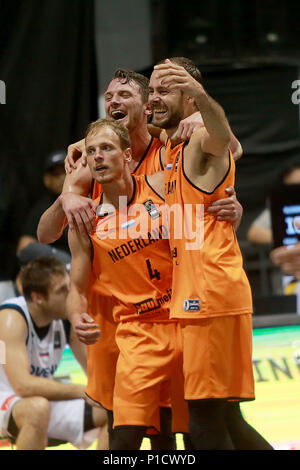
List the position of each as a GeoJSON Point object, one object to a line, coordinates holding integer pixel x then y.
{"type": "Point", "coordinates": [153, 274]}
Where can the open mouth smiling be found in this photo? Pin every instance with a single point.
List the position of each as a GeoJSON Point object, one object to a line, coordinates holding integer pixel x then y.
{"type": "Point", "coordinates": [117, 115]}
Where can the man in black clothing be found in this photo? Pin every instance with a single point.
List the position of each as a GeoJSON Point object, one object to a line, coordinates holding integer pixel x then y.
{"type": "Point", "coordinates": [53, 179]}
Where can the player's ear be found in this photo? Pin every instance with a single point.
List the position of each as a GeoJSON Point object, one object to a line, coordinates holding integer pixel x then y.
{"type": "Point", "coordinates": [148, 111]}
{"type": "Point", "coordinates": [189, 104]}
{"type": "Point", "coordinates": [127, 155]}
{"type": "Point", "coordinates": [37, 297]}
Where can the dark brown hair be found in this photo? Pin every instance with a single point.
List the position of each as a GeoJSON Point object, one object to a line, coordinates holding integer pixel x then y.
{"type": "Point", "coordinates": [128, 76]}
{"type": "Point", "coordinates": [188, 65]}
{"type": "Point", "coordinates": [36, 276]}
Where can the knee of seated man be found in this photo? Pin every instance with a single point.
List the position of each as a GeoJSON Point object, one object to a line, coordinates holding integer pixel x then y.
{"type": "Point", "coordinates": [33, 410]}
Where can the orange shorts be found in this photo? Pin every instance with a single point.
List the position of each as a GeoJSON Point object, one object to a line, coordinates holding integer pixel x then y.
{"type": "Point", "coordinates": [149, 364]}
{"type": "Point", "coordinates": [217, 358]}
{"type": "Point", "coordinates": [102, 357]}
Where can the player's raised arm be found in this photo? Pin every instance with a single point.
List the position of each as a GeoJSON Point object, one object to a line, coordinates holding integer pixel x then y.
{"type": "Point", "coordinates": [71, 208]}
{"type": "Point", "coordinates": [76, 155]}
{"type": "Point", "coordinates": [215, 136]}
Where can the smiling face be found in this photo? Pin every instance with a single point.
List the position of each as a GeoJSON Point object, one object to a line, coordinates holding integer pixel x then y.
{"type": "Point", "coordinates": [167, 105]}
{"type": "Point", "coordinates": [106, 158]}
{"type": "Point", "coordinates": [123, 103]}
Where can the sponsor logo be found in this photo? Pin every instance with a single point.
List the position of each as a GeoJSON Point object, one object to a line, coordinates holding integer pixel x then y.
{"type": "Point", "coordinates": [191, 305]}
{"type": "Point", "coordinates": [151, 209]}
{"type": "Point", "coordinates": [150, 305]}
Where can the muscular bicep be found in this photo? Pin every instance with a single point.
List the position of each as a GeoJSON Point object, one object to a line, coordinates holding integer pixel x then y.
{"type": "Point", "coordinates": [205, 144]}
{"type": "Point", "coordinates": [13, 332]}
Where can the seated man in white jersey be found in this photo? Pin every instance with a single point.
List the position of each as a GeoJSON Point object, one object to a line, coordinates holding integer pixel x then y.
{"type": "Point", "coordinates": [35, 410]}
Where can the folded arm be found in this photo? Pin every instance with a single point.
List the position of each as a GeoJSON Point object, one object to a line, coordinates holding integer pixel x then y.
{"type": "Point", "coordinates": [13, 331]}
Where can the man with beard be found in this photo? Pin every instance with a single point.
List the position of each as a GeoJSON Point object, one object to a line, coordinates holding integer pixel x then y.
{"type": "Point", "coordinates": [216, 325]}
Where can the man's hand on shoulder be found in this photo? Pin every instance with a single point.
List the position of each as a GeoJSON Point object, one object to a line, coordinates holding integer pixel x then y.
{"type": "Point", "coordinates": [75, 151]}
{"type": "Point", "coordinates": [79, 210]}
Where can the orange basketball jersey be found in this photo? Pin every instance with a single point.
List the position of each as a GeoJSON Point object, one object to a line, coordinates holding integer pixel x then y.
{"type": "Point", "coordinates": [150, 163]}
{"type": "Point", "coordinates": [208, 275]}
{"type": "Point", "coordinates": [102, 356]}
{"type": "Point", "coordinates": [131, 256]}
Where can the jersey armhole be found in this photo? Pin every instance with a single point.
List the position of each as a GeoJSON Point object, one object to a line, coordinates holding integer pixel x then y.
{"type": "Point", "coordinates": [151, 187]}
{"type": "Point", "coordinates": [160, 158]}
{"type": "Point", "coordinates": [217, 186]}
{"type": "Point", "coordinates": [67, 328]}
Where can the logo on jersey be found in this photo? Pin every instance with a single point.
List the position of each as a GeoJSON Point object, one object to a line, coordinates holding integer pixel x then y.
{"type": "Point", "coordinates": [191, 305]}
{"type": "Point", "coordinates": [151, 209]}
{"type": "Point", "coordinates": [57, 340]}
{"type": "Point", "coordinates": [170, 165]}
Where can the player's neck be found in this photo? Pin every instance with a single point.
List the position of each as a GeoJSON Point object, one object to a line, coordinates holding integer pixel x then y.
{"type": "Point", "coordinates": [39, 317]}
{"type": "Point", "coordinates": [140, 139]}
{"type": "Point", "coordinates": [172, 135]}
{"type": "Point", "coordinates": [119, 191]}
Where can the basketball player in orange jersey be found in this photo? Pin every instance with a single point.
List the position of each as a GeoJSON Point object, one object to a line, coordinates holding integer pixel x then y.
{"type": "Point", "coordinates": [211, 296]}
{"type": "Point", "coordinates": [128, 256]}
{"type": "Point", "coordinates": [126, 101]}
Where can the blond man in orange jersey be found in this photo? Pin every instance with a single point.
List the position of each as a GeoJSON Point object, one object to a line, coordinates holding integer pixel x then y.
{"type": "Point", "coordinates": [211, 294]}
{"type": "Point", "coordinates": [126, 101]}
{"type": "Point", "coordinates": [149, 353]}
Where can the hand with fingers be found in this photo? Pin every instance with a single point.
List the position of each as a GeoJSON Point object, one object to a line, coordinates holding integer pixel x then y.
{"type": "Point", "coordinates": [80, 211]}
{"type": "Point", "coordinates": [175, 76]}
{"type": "Point", "coordinates": [227, 209]}
{"type": "Point", "coordinates": [87, 330]}
{"type": "Point", "coordinates": [75, 151]}
{"type": "Point", "coordinates": [288, 259]}
{"type": "Point", "coordinates": [189, 125]}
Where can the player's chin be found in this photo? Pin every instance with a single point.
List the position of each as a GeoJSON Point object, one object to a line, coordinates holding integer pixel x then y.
{"type": "Point", "coordinates": [102, 179]}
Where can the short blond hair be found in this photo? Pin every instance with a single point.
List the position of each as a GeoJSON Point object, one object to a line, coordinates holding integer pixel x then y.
{"type": "Point", "coordinates": [119, 130]}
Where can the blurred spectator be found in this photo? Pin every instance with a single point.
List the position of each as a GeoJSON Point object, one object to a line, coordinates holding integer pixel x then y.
{"type": "Point", "coordinates": [260, 231]}
{"type": "Point", "coordinates": [53, 179]}
{"type": "Point", "coordinates": [288, 259]}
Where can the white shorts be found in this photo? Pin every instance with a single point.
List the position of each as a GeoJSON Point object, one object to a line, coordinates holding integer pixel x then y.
{"type": "Point", "coordinates": [66, 419]}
